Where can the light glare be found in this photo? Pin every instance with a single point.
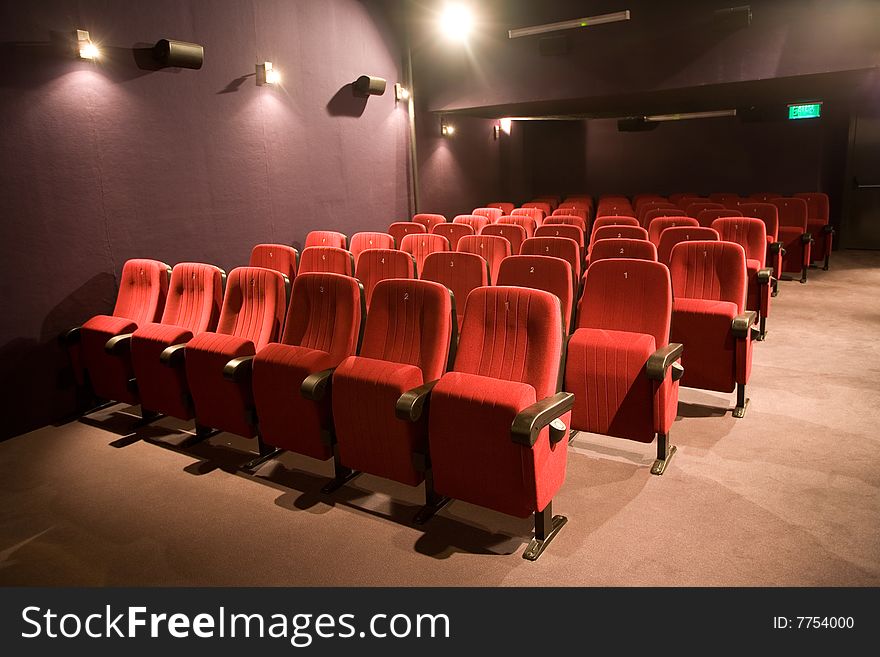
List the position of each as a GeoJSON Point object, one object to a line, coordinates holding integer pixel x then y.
{"type": "Point", "coordinates": [505, 125]}
{"type": "Point", "coordinates": [456, 22]}
{"type": "Point", "coordinates": [89, 51]}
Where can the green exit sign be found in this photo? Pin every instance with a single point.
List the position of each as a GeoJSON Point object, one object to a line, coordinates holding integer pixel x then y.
{"type": "Point", "coordinates": [805, 111]}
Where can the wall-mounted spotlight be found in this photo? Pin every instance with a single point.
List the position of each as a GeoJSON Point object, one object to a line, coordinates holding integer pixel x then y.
{"type": "Point", "coordinates": [456, 22]}
{"type": "Point", "coordinates": [400, 92]}
{"type": "Point", "coordinates": [267, 74]}
{"type": "Point", "coordinates": [169, 52]}
{"type": "Point", "coordinates": [367, 85]}
{"type": "Point", "coordinates": [84, 47]}
{"type": "Point", "coordinates": [446, 129]}
{"type": "Point", "coordinates": [505, 124]}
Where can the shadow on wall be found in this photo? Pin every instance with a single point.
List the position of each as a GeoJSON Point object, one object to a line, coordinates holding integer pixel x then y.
{"type": "Point", "coordinates": [28, 364]}
{"type": "Point", "coordinates": [346, 102]}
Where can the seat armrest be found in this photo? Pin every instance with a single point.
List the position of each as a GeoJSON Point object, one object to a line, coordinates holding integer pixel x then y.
{"type": "Point", "coordinates": [174, 355]}
{"type": "Point", "coordinates": [528, 422]}
{"type": "Point", "coordinates": [316, 386]}
{"type": "Point", "coordinates": [118, 344]}
{"type": "Point", "coordinates": [764, 275]}
{"type": "Point", "coordinates": [806, 238]}
{"type": "Point", "coordinates": [776, 247]}
{"type": "Point", "coordinates": [741, 323]}
{"type": "Point", "coordinates": [662, 359]}
{"type": "Point", "coordinates": [411, 404]}
{"type": "Point", "coordinates": [72, 336]}
{"type": "Point", "coordinates": [237, 368]}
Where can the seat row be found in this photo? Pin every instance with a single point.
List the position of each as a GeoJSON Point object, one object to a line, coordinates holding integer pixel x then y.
{"type": "Point", "coordinates": [396, 390]}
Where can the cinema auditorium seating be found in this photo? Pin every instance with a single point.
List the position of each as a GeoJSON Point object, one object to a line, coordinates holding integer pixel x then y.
{"type": "Point", "coordinates": [527, 223]}
{"type": "Point", "coordinates": [793, 234]}
{"type": "Point", "coordinates": [429, 220]}
{"type": "Point", "coordinates": [492, 214]}
{"type": "Point", "coordinates": [557, 247]}
{"type": "Point", "coordinates": [818, 225]}
{"type": "Point", "coordinates": [640, 249]}
{"type": "Point", "coordinates": [506, 208]}
{"type": "Point", "coordinates": [706, 217]}
{"type": "Point", "coordinates": [453, 232]}
{"type": "Point", "coordinates": [326, 238]}
{"type": "Point", "coordinates": [360, 242]}
{"type": "Point", "coordinates": [535, 213]}
{"type": "Point", "coordinates": [659, 224]}
{"type": "Point", "coordinates": [513, 233]}
{"type": "Point", "coordinates": [279, 257]}
{"type": "Point", "coordinates": [676, 234]}
{"type": "Point", "coordinates": [475, 221]}
{"type": "Point", "coordinates": [768, 213]}
{"type": "Point", "coordinates": [420, 246]}
{"type": "Point", "coordinates": [540, 272]}
{"type": "Point", "coordinates": [458, 271]}
{"type": "Point", "coordinates": [562, 230]}
{"type": "Point", "coordinates": [330, 259]}
{"type": "Point", "coordinates": [379, 264]}
{"type": "Point", "coordinates": [490, 247]}
{"type": "Point", "coordinates": [400, 229]}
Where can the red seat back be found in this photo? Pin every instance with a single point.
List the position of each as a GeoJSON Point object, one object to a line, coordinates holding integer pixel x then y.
{"type": "Point", "coordinates": [453, 232]}
{"type": "Point", "coordinates": [615, 210]}
{"type": "Point", "coordinates": [724, 198]}
{"type": "Point", "coordinates": [540, 205]}
{"type": "Point", "coordinates": [749, 232]}
{"type": "Point", "coordinates": [653, 213]}
{"type": "Point", "coordinates": [527, 223]}
{"type": "Point", "coordinates": [792, 212]}
{"type": "Point", "coordinates": [557, 247]}
{"type": "Point", "coordinates": [562, 230]}
{"type": "Point", "coordinates": [254, 305]}
{"type": "Point", "coordinates": [400, 229]}
{"type": "Point", "coordinates": [764, 197]}
{"type": "Point", "coordinates": [475, 221]}
{"type": "Point", "coordinates": [513, 233]}
{"type": "Point", "coordinates": [535, 213]}
{"type": "Point", "coordinates": [429, 220]}
{"type": "Point", "coordinates": [618, 232]}
{"type": "Point", "coordinates": [326, 238]}
{"type": "Point", "coordinates": [547, 273]}
{"type": "Point", "coordinates": [195, 294]}
{"type": "Point", "coordinates": [376, 265]}
{"type": "Point", "coordinates": [706, 217]}
{"type": "Point", "coordinates": [613, 220]}
{"type": "Point", "coordinates": [817, 205]}
{"type": "Point", "coordinates": [143, 287]}
{"type": "Point", "coordinates": [640, 249]}
{"type": "Point", "coordinates": [326, 258]}
{"type": "Point", "coordinates": [491, 247]}
{"type": "Point", "coordinates": [410, 322]}
{"type": "Point", "coordinates": [506, 208]}
{"type": "Point", "coordinates": [325, 314]}
{"type": "Point", "coordinates": [645, 208]}
{"type": "Point", "coordinates": [492, 214]}
{"type": "Point", "coordinates": [627, 295]}
{"type": "Point", "coordinates": [360, 242]}
{"type": "Point", "coordinates": [460, 272]}
{"type": "Point", "coordinates": [694, 209]}
{"type": "Point", "coordinates": [571, 211]}
{"type": "Point", "coordinates": [420, 246]}
{"type": "Point", "coordinates": [567, 219]}
{"type": "Point", "coordinates": [279, 257]}
{"type": "Point", "coordinates": [714, 271]}
{"type": "Point", "coordinates": [658, 225]}
{"type": "Point", "coordinates": [675, 234]}
{"type": "Point", "coordinates": [766, 212]}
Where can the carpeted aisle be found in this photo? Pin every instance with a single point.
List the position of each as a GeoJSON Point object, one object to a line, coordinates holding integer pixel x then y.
{"type": "Point", "coordinates": [789, 495]}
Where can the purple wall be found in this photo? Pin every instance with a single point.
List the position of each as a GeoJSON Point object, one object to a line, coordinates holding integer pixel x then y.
{"type": "Point", "coordinates": [107, 161]}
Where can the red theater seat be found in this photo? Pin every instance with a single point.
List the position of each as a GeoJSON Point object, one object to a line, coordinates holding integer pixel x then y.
{"type": "Point", "coordinates": [527, 223]}
{"type": "Point", "coordinates": [400, 229]}
{"type": "Point", "coordinates": [562, 230]}
{"type": "Point", "coordinates": [666, 206]}
{"type": "Point", "coordinates": [514, 234]}
{"type": "Point", "coordinates": [640, 249]}
{"type": "Point", "coordinates": [360, 242]}
{"type": "Point", "coordinates": [409, 332]}
{"type": "Point", "coordinates": [567, 219]}
{"type": "Point", "coordinates": [539, 272]}
{"type": "Point", "coordinates": [572, 211]}
{"type": "Point", "coordinates": [290, 377]}
{"type": "Point", "coordinates": [429, 220]}
{"type": "Point", "coordinates": [751, 235]}
{"type": "Point", "coordinates": [143, 287]}
{"type": "Point", "coordinates": [615, 210]}
{"type": "Point", "coordinates": [326, 238]}
{"type": "Point", "coordinates": [491, 248]}
{"type": "Point", "coordinates": [495, 435]}
{"type": "Point", "coordinates": [279, 257]}
{"type": "Point", "coordinates": [612, 220]}
{"type": "Point", "coordinates": [379, 264]}
{"type": "Point", "coordinates": [694, 209]}
{"type": "Point", "coordinates": [654, 213]}
{"type": "Point", "coordinates": [768, 213]}
{"type": "Point", "coordinates": [658, 225]}
{"type": "Point", "coordinates": [420, 246]}
{"type": "Point", "coordinates": [557, 247]}
{"type": "Point", "coordinates": [706, 217]}
{"type": "Point", "coordinates": [764, 197]}
{"type": "Point", "coordinates": [535, 213]}
{"type": "Point", "coordinates": [326, 259]}
{"type": "Point", "coordinates": [818, 226]}
{"type": "Point", "coordinates": [675, 234]}
{"type": "Point", "coordinates": [195, 295]}
{"type": "Point", "coordinates": [506, 208]}
{"type": "Point", "coordinates": [475, 221]}
{"type": "Point", "coordinates": [620, 366]}
{"type": "Point", "coordinates": [460, 272]}
{"type": "Point", "coordinates": [679, 197]}
{"type": "Point", "coordinates": [727, 199]}
{"type": "Point", "coordinates": [709, 283]}
{"type": "Point", "coordinates": [453, 232]}
{"type": "Point", "coordinates": [492, 214]}
{"type": "Point", "coordinates": [793, 234]}
{"type": "Point", "coordinates": [618, 232]}
{"type": "Point", "coordinates": [219, 364]}
{"type": "Point", "coordinates": [544, 207]}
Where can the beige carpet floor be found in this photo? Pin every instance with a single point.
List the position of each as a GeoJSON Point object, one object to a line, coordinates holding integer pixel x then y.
{"type": "Point", "coordinates": [789, 495]}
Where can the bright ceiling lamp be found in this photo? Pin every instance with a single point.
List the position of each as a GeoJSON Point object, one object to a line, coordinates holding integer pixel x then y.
{"type": "Point", "coordinates": [456, 22]}
{"type": "Point", "coordinates": [588, 21]}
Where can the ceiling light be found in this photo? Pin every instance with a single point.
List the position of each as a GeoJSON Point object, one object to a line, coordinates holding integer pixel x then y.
{"type": "Point", "coordinates": [589, 21]}
{"type": "Point", "coordinates": [456, 22]}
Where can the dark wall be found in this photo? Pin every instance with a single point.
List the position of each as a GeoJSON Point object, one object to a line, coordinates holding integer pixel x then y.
{"type": "Point", "coordinates": [706, 155]}
{"type": "Point", "coordinates": [111, 160]}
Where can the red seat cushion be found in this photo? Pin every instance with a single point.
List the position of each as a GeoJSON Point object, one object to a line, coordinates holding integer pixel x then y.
{"type": "Point", "coordinates": [162, 388]}
{"type": "Point", "coordinates": [109, 374]}
{"type": "Point", "coordinates": [606, 372]}
{"type": "Point", "coordinates": [287, 419]}
{"type": "Point", "coordinates": [472, 454]}
{"type": "Point", "coordinates": [370, 437]}
{"type": "Point", "coordinates": [219, 403]}
{"type": "Point", "coordinates": [704, 328]}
